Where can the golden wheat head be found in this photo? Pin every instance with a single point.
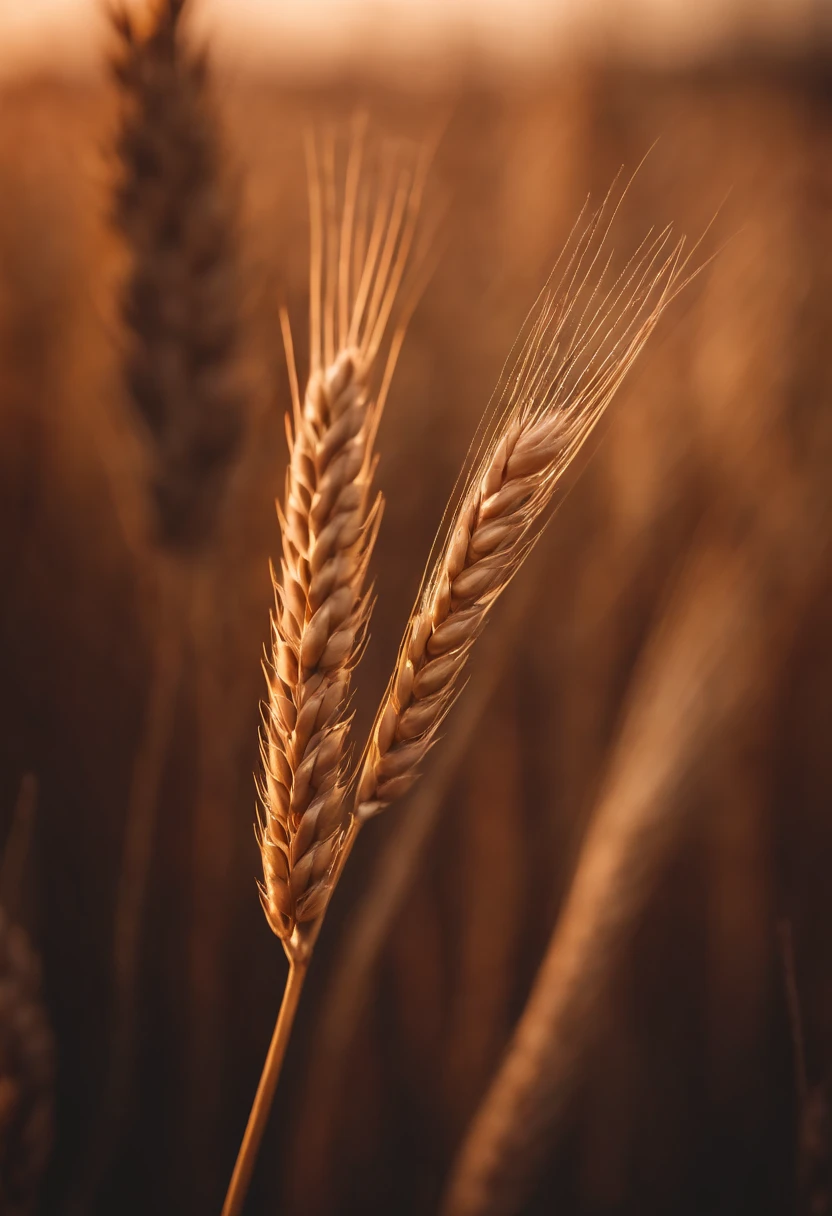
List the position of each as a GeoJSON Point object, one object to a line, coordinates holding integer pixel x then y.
{"type": "Point", "coordinates": [580, 340]}
{"type": "Point", "coordinates": [360, 250]}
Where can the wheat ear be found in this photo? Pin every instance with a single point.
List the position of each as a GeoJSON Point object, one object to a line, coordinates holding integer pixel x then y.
{"type": "Point", "coordinates": [329, 522]}
{"type": "Point", "coordinates": [581, 342]}
{"type": "Point", "coordinates": [176, 210]}
{"type": "Point", "coordinates": [27, 1048]}
{"type": "Point", "coordinates": [26, 1073]}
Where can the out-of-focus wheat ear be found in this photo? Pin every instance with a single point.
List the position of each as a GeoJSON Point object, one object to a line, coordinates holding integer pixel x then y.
{"type": "Point", "coordinates": [329, 518]}
{"type": "Point", "coordinates": [27, 1066]}
{"type": "Point", "coordinates": [27, 1050]}
{"type": "Point", "coordinates": [177, 212]}
{"type": "Point", "coordinates": [582, 337]}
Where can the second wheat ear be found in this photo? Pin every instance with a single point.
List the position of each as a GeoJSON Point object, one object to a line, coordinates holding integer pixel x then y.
{"type": "Point", "coordinates": [580, 338]}
{"type": "Point", "coordinates": [581, 342]}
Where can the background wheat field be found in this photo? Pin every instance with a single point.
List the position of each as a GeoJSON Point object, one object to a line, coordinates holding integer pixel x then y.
{"type": "Point", "coordinates": [718, 450]}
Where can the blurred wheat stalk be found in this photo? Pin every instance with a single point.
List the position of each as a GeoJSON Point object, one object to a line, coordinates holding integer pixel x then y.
{"type": "Point", "coordinates": [698, 681]}
{"type": "Point", "coordinates": [176, 211]}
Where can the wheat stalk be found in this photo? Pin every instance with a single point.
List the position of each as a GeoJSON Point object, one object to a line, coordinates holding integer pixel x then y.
{"type": "Point", "coordinates": [329, 522]}
{"type": "Point", "coordinates": [175, 212]}
{"type": "Point", "coordinates": [701, 672]}
{"type": "Point", "coordinates": [580, 341]}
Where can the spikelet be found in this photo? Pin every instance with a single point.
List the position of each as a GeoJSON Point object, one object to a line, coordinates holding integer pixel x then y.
{"type": "Point", "coordinates": [329, 522]}
{"type": "Point", "coordinates": [580, 342]}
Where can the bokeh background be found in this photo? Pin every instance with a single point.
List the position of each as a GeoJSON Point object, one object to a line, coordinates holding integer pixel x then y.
{"type": "Point", "coordinates": [720, 443]}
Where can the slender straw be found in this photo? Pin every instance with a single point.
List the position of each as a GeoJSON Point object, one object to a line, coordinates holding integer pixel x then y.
{"type": "Point", "coordinates": [137, 854]}
{"type": "Point", "coordinates": [299, 951]}
{"type": "Point", "coordinates": [700, 676]}
{"type": "Point", "coordinates": [247, 1156]}
{"type": "Point", "coordinates": [16, 849]}
{"type": "Point", "coordinates": [140, 827]}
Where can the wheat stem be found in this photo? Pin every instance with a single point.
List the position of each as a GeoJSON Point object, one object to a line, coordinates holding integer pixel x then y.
{"type": "Point", "coordinates": [142, 808]}
{"type": "Point", "coordinates": [299, 949]}
{"type": "Point", "coordinates": [698, 680]}
{"type": "Point", "coordinates": [247, 1156]}
{"type": "Point", "coordinates": [137, 853]}
{"type": "Point", "coordinates": [18, 843]}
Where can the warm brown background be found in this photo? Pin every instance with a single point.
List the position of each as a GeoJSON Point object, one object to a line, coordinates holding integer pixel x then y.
{"type": "Point", "coordinates": [688, 1103]}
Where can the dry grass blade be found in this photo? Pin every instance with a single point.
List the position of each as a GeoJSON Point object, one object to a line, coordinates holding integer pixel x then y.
{"type": "Point", "coordinates": [581, 340]}
{"type": "Point", "coordinates": [699, 677]}
{"type": "Point", "coordinates": [329, 523]}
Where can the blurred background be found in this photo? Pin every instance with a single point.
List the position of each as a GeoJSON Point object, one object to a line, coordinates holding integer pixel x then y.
{"type": "Point", "coordinates": [718, 449]}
